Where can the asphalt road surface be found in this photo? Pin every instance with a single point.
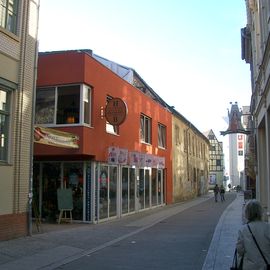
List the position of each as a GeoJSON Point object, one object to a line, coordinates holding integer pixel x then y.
{"type": "Point", "coordinates": [178, 242]}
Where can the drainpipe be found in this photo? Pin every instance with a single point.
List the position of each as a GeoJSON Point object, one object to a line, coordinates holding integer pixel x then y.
{"type": "Point", "coordinates": [188, 150]}
{"type": "Point", "coordinates": [30, 193]}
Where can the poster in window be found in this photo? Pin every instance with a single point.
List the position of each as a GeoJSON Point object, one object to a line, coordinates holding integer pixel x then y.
{"type": "Point", "coordinates": [148, 160]}
{"type": "Point", "coordinates": [161, 162]}
{"type": "Point", "coordinates": [122, 156]}
{"type": "Point", "coordinates": [113, 155]}
{"type": "Point", "coordinates": [134, 159]}
{"type": "Point", "coordinates": [142, 160]}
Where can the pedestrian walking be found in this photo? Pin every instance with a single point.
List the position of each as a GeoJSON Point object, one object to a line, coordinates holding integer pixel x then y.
{"type": "Point", "coordinates": [222, 193]}
{"type": "Point", "coordinates": [253, 244]}
{"type": "Point", "coordinates": [216, 191]}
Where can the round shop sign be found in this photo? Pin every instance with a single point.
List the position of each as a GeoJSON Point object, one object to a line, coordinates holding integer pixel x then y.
{"type": "Point", "coordinates": [116, 111]}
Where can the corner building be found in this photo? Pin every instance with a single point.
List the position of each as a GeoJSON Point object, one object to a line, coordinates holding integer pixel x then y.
{"type": "Point", "coordinates": [18, 54]}
{"type": "Point", "coordinates": [116, 170]}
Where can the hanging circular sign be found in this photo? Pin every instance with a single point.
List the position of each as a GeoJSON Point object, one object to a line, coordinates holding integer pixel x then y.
{"type": "Point", "coordinates": [116, 111]}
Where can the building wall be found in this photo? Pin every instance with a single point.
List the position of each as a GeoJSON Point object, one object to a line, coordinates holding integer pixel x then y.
{"type": "Point", "coordinates": [79, 67]}
{"type": "Point", "coordinates": [258, 26]}
{"type": "Point", "coordinates": [17, 75]}
{"type": "Point", "coordinates": [216, 160]}
{"type": "Point", "coordinates": [190, 160]}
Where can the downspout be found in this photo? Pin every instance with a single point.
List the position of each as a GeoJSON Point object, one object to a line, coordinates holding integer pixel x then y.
{"type": "Point", "coordinates": [188, 150]}
{"type": "Point", "coordinates": [19, 109]}
{"type": "Point", "coordinates": [30, 193]}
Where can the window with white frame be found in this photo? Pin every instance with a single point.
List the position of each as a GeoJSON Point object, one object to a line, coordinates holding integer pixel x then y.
{"type": "Point", "coordinates": [63, 105]}
{"type": "Point", "coordinates": [8, 15]}
{"type": "Point", "coordinates": [109, 127]}
{"type": "Point", "coordinates": [86, 104]}
{"type": "Point", "coordinates": [161, 136]}
{"type": "Point", "coordinates": [4, 123]}
{"type": "Point", "coordinates": [145, 126]}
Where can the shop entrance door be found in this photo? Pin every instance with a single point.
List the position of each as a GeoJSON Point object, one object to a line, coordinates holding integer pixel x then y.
{"type": "Point", "coordinates": [107, 191]}
{"type": "Point", "coordinates": [128, 190]}
{"type": "Point", "coordinates": [143, 189]}
{"type": "Point", "coordinates": [160, 191]}
{"type": "Point", "coordinates": [51, 181]}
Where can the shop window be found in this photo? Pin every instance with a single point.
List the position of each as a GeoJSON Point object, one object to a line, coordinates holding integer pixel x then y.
{"type": "Point", "coordinates": [4, 123]}
{"type": "Point", "coordinates": [161, 136]}
{"type": "Point", "coordinates": [63, 105]}
{"type": "Point", "coordinates": [145, 128]}
{"type": "Point", "coordinates": [45, 106]}
{"type": "Point", "coordinates": [8, 15]}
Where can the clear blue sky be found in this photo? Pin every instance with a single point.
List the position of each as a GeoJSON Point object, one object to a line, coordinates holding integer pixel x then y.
{"type": "Point", "coordinates": [188, 51]}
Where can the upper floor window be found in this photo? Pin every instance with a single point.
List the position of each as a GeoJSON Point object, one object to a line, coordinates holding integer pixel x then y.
{"type": "Point", "coordinates": [4, 123]}
{"type": "Point", "coordinates": [63, 105]}
{"type": "Point", "coordinates": [177, 134]}
{"type": "Point", "coordinates": [145, 128]}
{"type": "Point", "coordinates": [161, 135]}
{"type": "Point", "coordinates": [185, 141]}
{"type": "Point", "coordinates": [109, 127]}
{"type": "Point", "coordinates": [8, 15]}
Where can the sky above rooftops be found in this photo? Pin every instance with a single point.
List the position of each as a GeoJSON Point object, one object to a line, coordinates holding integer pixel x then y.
{"type": "Point", "coordinates": [189, 52]}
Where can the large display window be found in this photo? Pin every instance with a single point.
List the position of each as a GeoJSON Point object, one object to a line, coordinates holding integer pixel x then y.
{"type": "Point", "coordinates": [50, 176]}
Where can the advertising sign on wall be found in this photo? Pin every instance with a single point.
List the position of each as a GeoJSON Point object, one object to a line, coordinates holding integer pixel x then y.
{"type": "Point", "coordinates": [120, 156]}
{"type": "Point", "coordinates": [55, 137]}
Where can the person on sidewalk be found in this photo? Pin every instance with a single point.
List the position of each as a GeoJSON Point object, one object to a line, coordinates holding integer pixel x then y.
{"type": "Point", "coordinates": [216, 191]}
{"type": "Point", "coordinates": [246, 246]}
{"type": "Point", "coordinates": [222, 193]}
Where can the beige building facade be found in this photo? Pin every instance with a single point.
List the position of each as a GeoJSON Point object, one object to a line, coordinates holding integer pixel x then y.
{"type": "Point", "coordinates": [190, 157]}
{"type": "Point", "coordinates": [256, 52]}
{"type": "Point", "coordinates": [18, 53]}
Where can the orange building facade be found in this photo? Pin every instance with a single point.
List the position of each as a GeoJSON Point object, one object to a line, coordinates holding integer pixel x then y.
{"type": "Point", "coordinates": [112, 170]}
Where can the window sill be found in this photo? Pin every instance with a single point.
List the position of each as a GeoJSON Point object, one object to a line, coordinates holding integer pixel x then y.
{"type": "Point", "coordinates": [9, 34]}
{"type": "Point", "coordinates": [146, 143]}
{"type": "Point", "coordinates": [111, 133]}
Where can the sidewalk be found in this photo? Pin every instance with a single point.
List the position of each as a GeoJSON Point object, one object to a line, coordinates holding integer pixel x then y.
{"type": "Point", "coordinates": [221, 250]}
{"type": "Point", "coordinates": [60, 244]}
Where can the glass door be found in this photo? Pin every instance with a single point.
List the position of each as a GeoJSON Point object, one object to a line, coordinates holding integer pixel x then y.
{"type": "Point", "coordinates": [125, 190]}
{"type": "Point", "coordinates": [128, 190]}
{"type": "Point", "coordinates": [154, 187]}
{"type": "Point", "coordinates": [103, 192]}
{"type": "Point", "coordinates": [107, 191]}
{"type": "Point", "coordinates": [160, 190]}
{"type": "Point", "coordinates": [73, 178]}
{"type": "Point", "coordinates": [51, 181]}
{"type": "Point", "coordinates": [112, 191]}
{"type": "Point", "coordinates": [132, 185]}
